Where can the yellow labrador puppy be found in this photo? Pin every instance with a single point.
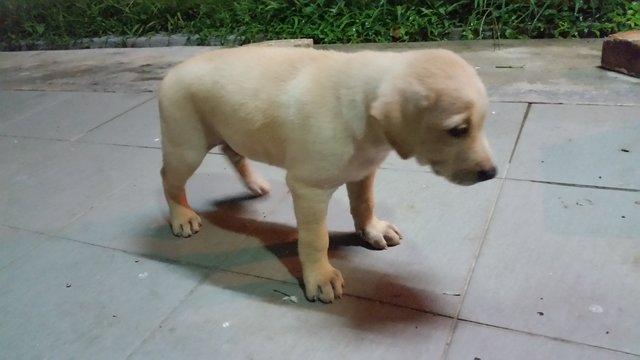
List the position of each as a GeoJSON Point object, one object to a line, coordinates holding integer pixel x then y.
{"type": "Point", "coordinates": [327, 118]}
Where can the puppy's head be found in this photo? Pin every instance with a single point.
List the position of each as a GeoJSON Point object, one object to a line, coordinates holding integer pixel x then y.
{"type": "Point", "coordinates": [433, 108]}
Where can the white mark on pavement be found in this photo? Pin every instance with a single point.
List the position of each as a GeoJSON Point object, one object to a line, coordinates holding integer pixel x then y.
{"type": "Point", "coordinates": [594, 308]}
{"type": "Point", "coordinates": [291, 298]}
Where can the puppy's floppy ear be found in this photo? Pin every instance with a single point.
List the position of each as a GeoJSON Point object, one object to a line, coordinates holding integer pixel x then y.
{"type": "Point", "coordinates": [397, 107]}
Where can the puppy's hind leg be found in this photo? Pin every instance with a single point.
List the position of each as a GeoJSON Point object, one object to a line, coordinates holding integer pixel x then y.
{"type": "Point", "coordinates": [253, 181]}
{"type": "Point", "coordinates": [178, 166]}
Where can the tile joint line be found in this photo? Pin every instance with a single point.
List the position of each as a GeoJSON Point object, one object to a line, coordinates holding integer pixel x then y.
{"type": "Point", "coordinates": [483, 237]}
{"type": "Point", "coordinates": [524, 120]}
{"type": "Point", "coordinates": [584, 186]}
{"type": "Point", "coordinates": [112, 118]}
{"type": "Point", "coordinates": [545, 336]}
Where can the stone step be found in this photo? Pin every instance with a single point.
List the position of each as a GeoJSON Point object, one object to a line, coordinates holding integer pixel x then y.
{"type": "Point", "coordinates": [621, 53]}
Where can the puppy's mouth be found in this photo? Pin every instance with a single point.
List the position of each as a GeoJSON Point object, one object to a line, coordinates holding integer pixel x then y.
{"type": "Point", "coordinates": [459, 177]}
{"type": "Point", "coordinates": [436, 166]}
{"type": "Point", "coordinates": [470, 177]}
{"type": "Point", "coordinates": [463, 177]}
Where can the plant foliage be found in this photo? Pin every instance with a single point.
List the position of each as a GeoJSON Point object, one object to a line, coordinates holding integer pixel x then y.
{"type": "Point", "coordinates": [325, 21]}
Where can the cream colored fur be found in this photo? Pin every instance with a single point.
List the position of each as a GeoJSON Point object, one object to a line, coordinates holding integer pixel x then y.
{"type": "Point", "coordinates": [329, 119]}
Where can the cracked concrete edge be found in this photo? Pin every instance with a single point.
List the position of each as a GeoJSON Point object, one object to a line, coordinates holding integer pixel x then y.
{"type": "Point", "coordinates": [155, 41]}
{"type": "Point", "coordinates": [111, 41]}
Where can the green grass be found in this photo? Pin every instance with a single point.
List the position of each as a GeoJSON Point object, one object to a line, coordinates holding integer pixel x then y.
{"type": "Point", "coordinates": [57, 22]}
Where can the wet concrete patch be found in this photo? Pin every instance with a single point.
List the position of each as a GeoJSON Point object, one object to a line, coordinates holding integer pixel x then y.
{"type": "Point", "coordinates": [539, 71]}
{"type": "Point", "coordinates": [100, 70]}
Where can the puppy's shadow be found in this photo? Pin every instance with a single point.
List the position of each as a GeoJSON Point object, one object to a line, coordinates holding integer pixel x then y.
{"type": "Point", "coordinates": [242, 215]}
{"type": "Point", "coordinates": [278, 239]}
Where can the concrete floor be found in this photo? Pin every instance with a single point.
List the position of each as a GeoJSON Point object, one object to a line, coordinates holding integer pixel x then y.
{"type": "Point", "coordinates": [541, 263]}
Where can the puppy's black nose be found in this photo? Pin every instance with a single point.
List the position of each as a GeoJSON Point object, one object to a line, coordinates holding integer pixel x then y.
{"type": "Point", "coordinates": [487, 174]}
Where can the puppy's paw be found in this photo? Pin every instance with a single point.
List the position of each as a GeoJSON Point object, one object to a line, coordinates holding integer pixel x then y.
{"type": "Point", "coordinates": [185, 222]}
{"type": "Point", "coordinates": [381, 234]}
{"type": "Point", "coordinates": [257, 185]}
{"type": "Point", "coordinates": [324, 283]}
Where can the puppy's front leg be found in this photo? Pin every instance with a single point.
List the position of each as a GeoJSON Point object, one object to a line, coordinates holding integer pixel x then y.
{"type": "Point", "coordinates": [322, 281]}
{"type": "Point", "coordinates": [378, 233]}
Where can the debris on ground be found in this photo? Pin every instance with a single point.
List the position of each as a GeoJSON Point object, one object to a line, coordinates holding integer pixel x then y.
{"type": "Point", "coordinates": [287, 297]}
{"type": "Point", "coordinates": [293, 299]}
{"type": "Point", "coordinates": [595, 308]}
{"type": "Point", "coordinates": [584, 202]}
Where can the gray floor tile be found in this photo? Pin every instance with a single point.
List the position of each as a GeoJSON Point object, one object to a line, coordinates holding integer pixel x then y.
{"type": "Point", "coordinates": [17, 104]}
{"type": "Point", "coordinates": [139, 127]}
{"type": "Point", "coordinates": [72, 116]}
{"type": "Point", "coordinates": [472, 341]}
{"type": "Point", "coordinates": [242, 317]}
{"type": "Point", "coordinates": [135, 218]}
{"type": "Point", "coordinates": [590, 145]}
{"type": "Point", "coordinates": [442, 225]}
{"type": "Point", "coordinates": [16, 243]}
{"type": "Point", "coordinates": [502, 126]}
{"type": "Point", "coordinates": [66, 300]}
{"type": "Point", "coordinates": [19, 155]}
{"type": "Point", "coordinates": [60, 180]}
{"type": "Point", "coordinates": [563, 262]}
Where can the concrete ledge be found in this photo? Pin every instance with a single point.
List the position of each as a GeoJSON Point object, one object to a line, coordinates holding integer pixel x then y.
{"type": "Point", "coordinates": [307, 43]}
{"type": "Point", "coordinates": [152, 41]}
{"type": "Point", "coordinates": [156, 41]}
{"type": "Point", "coordinates": [621, 53]}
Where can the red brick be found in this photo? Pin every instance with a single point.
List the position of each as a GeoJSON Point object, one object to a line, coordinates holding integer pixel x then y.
{"type": "Point", "coordinates": [621, 53]}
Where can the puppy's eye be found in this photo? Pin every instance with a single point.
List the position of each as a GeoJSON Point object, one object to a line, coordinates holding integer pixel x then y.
{"type": "Point", "coordinates": [459, 131]}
